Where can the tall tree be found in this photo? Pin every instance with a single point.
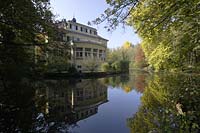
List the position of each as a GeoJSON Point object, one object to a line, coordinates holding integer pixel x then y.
{"type": "Point", "coordinates": [139, 57]}
{"type": "Point", "coordinates": [22, 23]}
{"type": "Point", "coordinates": [169, 29]}
{"type": "Point", "coordinates": [21, 20]}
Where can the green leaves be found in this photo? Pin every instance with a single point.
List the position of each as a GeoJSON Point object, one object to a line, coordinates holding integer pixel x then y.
{"type": "Point", "coordinates": [25, 18]}
{"type": "Point", "coordinates": [169, 29]}
{"type": "Point", "coordinates": [170, 103]}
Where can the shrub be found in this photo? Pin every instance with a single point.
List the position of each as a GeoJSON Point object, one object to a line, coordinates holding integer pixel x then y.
{"type": "Point", "coordinates": [116, 66]}
{"type": "Point", "coordinates": [105, 67]}
{"type": "Point", "coordinates": [72, 69]}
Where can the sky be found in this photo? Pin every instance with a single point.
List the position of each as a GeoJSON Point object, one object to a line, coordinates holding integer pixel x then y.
{"type": "Point", "coordinates": [88, 10]}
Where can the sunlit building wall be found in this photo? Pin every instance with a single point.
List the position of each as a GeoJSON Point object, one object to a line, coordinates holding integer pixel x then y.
{"type": "Point", "coordinates": [87, 47]}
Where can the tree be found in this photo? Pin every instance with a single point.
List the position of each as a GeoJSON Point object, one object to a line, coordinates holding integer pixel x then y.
{"type": "Point", "coordinates": [127, 51]}
{"type": "Point", "coordinates": [120, 58]}
{"type": "Point", "coordinates": [127, 45]}
{"type": "Point", "coordinates": [139, 57]}
{"type": "Point", "coordinates": [91, 64]}
{"type": "Point", "coordinates": [23, 24]}
{"type": "Point", "coordinates": [169, 29]}
{"type": "Point", "coordinates": [22, 20]}
{"type": "Point", "coordinates": [117, 13]}
{"type": "Point", "coordinates": [158, 111]}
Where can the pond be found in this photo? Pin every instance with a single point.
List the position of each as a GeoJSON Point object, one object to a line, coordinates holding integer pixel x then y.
{"type": "Point", "coordinates": [138, 102]}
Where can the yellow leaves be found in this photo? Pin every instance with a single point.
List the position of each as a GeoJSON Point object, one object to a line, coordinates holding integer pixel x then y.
{"type": "Point", "coordinates": [41, 38]}
{"type": "Point", "coordinates": [126, 45]}
{"type": "Point", "coordinates": [159, 56]}
{"type": "Point", "coordinates": [179, 109]}
{"type": "Point", "coordinates": [127, 89]}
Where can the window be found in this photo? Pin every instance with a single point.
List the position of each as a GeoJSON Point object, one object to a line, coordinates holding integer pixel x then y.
{"type": "Point", "coordinates": [79, 49]}
{"type": "Point", "coordinates": [90, 31]}
{"type": "Point", "coordinates": [70, 26]}
{"type": "Point", "coordinates": [95, 53]}
{"type": "Point", "coordinates": [91, 111]}
{"type": "Point", "coordinates": [88, 49]}
{"type": "Point", "coordinates": [86, 30]}
{"type": "Point", "coordinates": [79, 66]}
{"type": "Point", "coordinates": [76, 27]}
{"type": "Point", "coordinates": [87, 52]}
{"type": "Point", "coordinates": [81, 28]}
{"type": "Point", "coordinates": [95, 33]}
{"type": "Point", "coordinates": [100, 53]}
{"type": "Point", "coordinates": [82, 114]}
{"type": "Point", "coordinates": [95, 50]}
{"type": "Point", "coordinates": [79, 53]}
{"type": "Point", "coordinates": [68, 38]}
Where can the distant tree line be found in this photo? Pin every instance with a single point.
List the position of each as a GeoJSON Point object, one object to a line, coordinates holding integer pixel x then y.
{"type": "Point", "coordinates": [125, 57]}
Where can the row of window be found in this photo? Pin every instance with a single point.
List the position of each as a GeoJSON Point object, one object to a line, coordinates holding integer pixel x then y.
{"type": "Point", "coordinates": [86, 113]}
{"type": "Point", "coordinates": [87, 54]}
{"type": "Point", "coordinates": [79, 56]}
{"type": "Point", "coordinates": [89, 50]}
{"type": "Point", "coordinates": [82, 29]}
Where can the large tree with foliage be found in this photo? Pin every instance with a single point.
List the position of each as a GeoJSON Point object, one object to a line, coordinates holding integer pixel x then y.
{"type": "Point", "coordinates": [169, 29]}
{"type": "Point", "coordinates": [23, 24]}
{"type": "Point", "coordinates": [22, 20]}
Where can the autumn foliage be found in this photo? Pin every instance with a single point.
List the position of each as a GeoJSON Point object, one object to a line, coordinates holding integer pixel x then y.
{"type": "Point", "coordinates": [139, 57]}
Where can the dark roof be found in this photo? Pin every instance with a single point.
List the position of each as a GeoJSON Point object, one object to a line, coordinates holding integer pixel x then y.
{"type": "Point", "coordinates": [74, 20]}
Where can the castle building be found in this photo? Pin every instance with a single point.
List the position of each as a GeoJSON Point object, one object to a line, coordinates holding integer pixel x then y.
{"type": "Point", "coordinates": [88, 49]}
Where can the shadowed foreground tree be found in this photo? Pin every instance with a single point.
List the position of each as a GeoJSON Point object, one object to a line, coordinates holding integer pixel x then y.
{"type": "Point", "coordinates": [23, 25]}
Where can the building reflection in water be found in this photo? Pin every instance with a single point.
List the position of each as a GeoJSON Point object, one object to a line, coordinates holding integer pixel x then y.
{"type": "Point", "coordinates": [72, 102]}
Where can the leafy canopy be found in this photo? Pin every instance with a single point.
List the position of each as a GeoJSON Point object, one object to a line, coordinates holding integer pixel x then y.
{"type": "Point", "coordinates": [169, 29]}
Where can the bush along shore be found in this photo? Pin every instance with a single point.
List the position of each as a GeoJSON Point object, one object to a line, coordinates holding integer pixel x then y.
{"type": "Point", "coordinates": [82, 75]}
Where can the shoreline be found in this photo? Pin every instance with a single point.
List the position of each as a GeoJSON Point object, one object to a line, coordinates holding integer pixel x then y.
{"type": "Point", "coordinates": [87, 75]}
{"type": "Point", "coordinates": [83, 75]}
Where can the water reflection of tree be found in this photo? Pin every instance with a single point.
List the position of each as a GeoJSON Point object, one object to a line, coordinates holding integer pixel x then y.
{"type": "Point", "coordinates": [159, 112]}
{"type": "Point", "coordinates": [140, 82]}
{"type": "Point", "coordinates": [16, 109]}
{"type": "Point", "coordinates": [127, 82]}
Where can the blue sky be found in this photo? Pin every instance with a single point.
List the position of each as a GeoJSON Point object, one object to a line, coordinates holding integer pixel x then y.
{"type": "Point", "coordinates": [88, 10]}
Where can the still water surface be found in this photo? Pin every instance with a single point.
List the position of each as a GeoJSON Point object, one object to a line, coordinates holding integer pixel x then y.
{"type": "Point", "coordinates": [138, 102]}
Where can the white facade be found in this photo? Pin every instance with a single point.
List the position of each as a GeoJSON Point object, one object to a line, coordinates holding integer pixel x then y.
{"type": "Point", "coordinates": [87, 47]}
